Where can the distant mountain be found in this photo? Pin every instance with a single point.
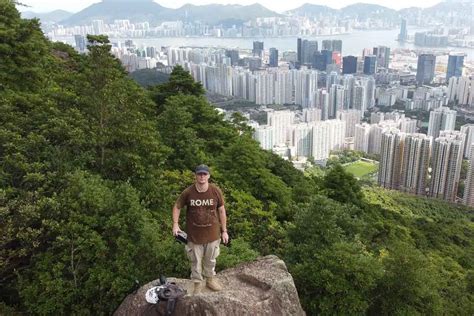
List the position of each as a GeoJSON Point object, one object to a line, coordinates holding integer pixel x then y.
{"type": "Point", "coordinates": [357, 10]}
{"type": "Point", "coordinates": [219, 13]}
{"type": "Point", "coordinates": [110, 10]}
{"type": "Point", "coordinates": [309, 9]}
{"type": "Point", "coordinates": [228, 15]}
{"type": "Point", "coordinates": [147, 10]}
{"type": "Point", "coordinates": [454, 9]}
{"type": "Point", "coordinates": [53, 16]}
{"type": "Point", "coordinates": [366, 10]}
{"type": "Point", "coordinates": [460, 10]}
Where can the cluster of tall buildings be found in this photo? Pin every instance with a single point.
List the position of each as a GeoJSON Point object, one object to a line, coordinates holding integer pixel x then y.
{"type": "Point", "coordinates": [331, 54]}
{"type": "Point", "coordinates": [441, 36]}
{"type": "Point", "coordinates": [305, 135]}
{"type": "Point", "coordinates": [368, 137]}
{"type": "Point", "coordinates": [259, 27]}
{"type": "Point", "coordinates": [412, 162]}
{"type": "Point", "coordinates": [406, 158]}
{"type": "Point", "coordinates": [461, 90]}
{"type": "Point", "coordinates": [430, 39]}
{"type": "Point", "coordinates": [287, 86]}
{"type": "Point", "coordinates": [427, 63]}
{"type": "Point", "coordinates": [441, 119]}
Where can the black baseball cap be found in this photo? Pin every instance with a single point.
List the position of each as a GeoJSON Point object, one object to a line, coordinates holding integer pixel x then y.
{"type": "Point", "coordinates": [202, 169]}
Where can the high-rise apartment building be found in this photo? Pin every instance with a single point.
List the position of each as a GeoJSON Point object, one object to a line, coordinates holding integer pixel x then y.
{"type": "Point", "coordinates": [352, 118]}
{"type": "Point", "coordinates": [349, 65]}
{"type": "Point", "coordinates": [303, 139]}
{"type": "Point", "coordinates": [360, 98]}
{"type": "Point", "coordinates": [309, 48]}
{"type": "Point", "coordinates": [257, 49]}
{"type": "Point", "coordinates": [376, 132]}
{"type": "Point", "coordinates": [319, 61]}
{"type": "Point", "coordinates": [391, 156]}
{"type": "Point", "coordinates": [446, 165]}
{"type": "Point", "coordinates": [441, 119]}
{"type": "Point", "coordinates": [299, 45]}
{"type": "Point", "coordinates": [468, 130]}
{"type": "Point", "coordinates": [407, 125]}
{"type": "Point", "coordinates": [327, 135]}
{"type": "Point", "coordinates": [280, 121]}
{"type": "Point", "coordinates": [332, 78]}
{"type": "Point", "coordinates": [362, 137]}
{"type": "Point", "coordinates": [265, 88]}
{"type": "Point", "coordinates": [323, 102]}
{"type": "Point", "coordinates": [403, 36]}
{"type": "Point", "coordinates": [370, 90]}
{"type": "Point", "coordinates": [336, 99]}
{"type": "Point", "coordinates": [415, 163]}
{"type": "Point", "coordinates": [332, 45]}
{"type": "Point", "coordinates": [383, 56]}
{"type": "Point", "coordinates": [284, 87]}
{"type": "Point", "coordinates": [322, 59]}
{"type": "Point", "coordinates": [98, 26]}
{"type": "Point", "coordinates": [306, 51]}
{"type": "Point", "coordinates": [468, 197]}
{"type": "Point", "coordinates": [326, 44]}
{"type": "Point", "coordinates": [425, 68]}
{"type": "Point", "coordinates": [311, 115]}
{"type": "Point", "coordinates": [455, 65]}
{"type": "Point", "coordinates": [273, 62]}
{"type": "Point", "coordinates": [337, 46]}
{"type": "Point", "coordinates": [264, 135]}
{"type": "Point", "coordinates": [465, 91]}
{"type": "Point", "coordinates": [370, 64]}
{"type": "Point", "coordinates": [81, 43]}
{"type": "Point", "coordinates": [306, 88]}
{"type": "Point", "coordinates": [348, 81]}
{"type": "Point", "coordinates": [233, 54]}
{"type": "Point", "coordinates": [461, 90]}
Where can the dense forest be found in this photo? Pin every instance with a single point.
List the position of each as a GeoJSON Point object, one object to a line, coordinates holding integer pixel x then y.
{"type": "Point", "coordinates": [91, 163]}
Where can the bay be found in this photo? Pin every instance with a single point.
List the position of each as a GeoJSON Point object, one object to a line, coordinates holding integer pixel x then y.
{"type": "Point", "coordinates": [352, 44]}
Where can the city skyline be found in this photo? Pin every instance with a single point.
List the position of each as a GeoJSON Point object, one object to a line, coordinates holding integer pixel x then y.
{"type": "Point", "coordinates": [78, 5]}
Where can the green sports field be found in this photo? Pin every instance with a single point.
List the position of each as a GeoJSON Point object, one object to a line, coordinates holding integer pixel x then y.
{"type": "Point", "coordinates": [361, 168]}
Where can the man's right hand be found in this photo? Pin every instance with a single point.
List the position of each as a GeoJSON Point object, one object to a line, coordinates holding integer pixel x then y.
{"type": "Point", "coordinates": [176, 229]}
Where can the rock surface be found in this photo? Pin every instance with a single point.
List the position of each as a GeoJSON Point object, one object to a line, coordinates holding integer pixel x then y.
{"type": "Point", "coordinates": [262, 287]}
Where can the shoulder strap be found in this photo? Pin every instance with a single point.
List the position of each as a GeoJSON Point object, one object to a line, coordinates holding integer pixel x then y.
{"type": "Point", "coordinates": [170, 306]}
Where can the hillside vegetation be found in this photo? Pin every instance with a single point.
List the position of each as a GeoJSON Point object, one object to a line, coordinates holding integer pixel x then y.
{"type": "Point", "coordinates": [91, 163]}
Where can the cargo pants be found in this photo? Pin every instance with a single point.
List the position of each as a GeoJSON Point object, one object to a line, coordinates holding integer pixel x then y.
{"type": "Point", "coordinates": [203, 259]}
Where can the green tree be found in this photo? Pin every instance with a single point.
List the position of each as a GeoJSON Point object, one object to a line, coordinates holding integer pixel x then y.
{"type": "Point", "coordinates": [22, 42]}
{"type": "Point", "coordinates": [91, 263]}
{"type": "Point", "coordinates": [333, 270]}
{"type": "Point", "coordinates": [342, 186]}
{"type": "Point", "coordinates": [180, 82]}
{"type": "Point", "coordinates": [409, 286]}
{"type": "Point", "coordinates": [175, 124]}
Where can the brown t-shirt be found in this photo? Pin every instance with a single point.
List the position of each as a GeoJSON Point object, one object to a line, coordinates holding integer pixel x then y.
{"type": "Point", "coordinates": [202, 219]}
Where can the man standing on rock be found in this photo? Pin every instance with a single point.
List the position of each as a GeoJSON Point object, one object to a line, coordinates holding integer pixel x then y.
{"type": "Point", "coordinates": [206, 224]}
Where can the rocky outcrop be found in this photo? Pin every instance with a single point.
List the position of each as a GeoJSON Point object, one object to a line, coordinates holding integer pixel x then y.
{"type": "Point", "coordinates": [262, 287]}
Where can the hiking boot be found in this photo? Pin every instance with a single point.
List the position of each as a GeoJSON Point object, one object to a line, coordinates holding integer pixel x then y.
{"type": "Point", "coordinates": [213, 284]}
{"type": "Point", "coordinates": [198, 286]}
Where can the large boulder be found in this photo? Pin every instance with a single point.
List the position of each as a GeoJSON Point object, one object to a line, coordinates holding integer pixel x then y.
{"type": "Point", "coordinates": [262, 287]}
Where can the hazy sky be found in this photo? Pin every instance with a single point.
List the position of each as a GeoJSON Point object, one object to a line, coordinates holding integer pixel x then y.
{"type": "Point", "coordinates": [276, 5]}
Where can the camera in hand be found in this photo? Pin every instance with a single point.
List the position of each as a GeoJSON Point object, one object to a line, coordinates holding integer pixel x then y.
{"type": "Point", "coordinates": [181, 237]}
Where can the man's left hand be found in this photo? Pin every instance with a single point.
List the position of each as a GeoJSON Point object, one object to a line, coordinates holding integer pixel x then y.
{"type": "Point", "coordinates": [225, 237]}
